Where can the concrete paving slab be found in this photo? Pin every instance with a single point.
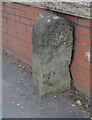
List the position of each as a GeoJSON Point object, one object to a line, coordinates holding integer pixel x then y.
{"type": "Point", "coordinates": [20, 98]}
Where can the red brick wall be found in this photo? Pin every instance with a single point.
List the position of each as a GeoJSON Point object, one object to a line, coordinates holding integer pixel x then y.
{"type": "Point", "coordinates": [0, 26]}
{"type": "Point", "coordinates": [81, 62]}
{"type": "Point", "coordinates": [17, 30]}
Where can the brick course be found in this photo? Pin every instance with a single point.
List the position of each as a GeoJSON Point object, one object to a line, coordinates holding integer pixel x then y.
{"type": "Point", "coordinates": [17, 32]}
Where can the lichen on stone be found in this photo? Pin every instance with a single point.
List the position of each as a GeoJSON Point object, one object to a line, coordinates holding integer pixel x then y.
{"type": "Point", "coordinates": [52, 50]}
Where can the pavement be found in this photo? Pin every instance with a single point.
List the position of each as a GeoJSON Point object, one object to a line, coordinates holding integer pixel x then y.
{"type": "Point", "coordinates": [20, 98]}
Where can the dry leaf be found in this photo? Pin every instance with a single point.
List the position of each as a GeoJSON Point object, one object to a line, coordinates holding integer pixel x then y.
{"type": "Point", "coordinates": [17, 63]}
{"type": "Point", "coordinates": [79, 102]}
{"type": "Point", "coordinates": [40, 105]}
{"type": "Point", "coordinates": [73, 105]}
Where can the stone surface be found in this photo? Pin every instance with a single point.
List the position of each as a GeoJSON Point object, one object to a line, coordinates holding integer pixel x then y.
{"type": "Point", "coordinates": [81, 8]}
{"type": "Point", "coordinates": [18, 88]}
{"type": "Point", "coordinates": [52, 39]}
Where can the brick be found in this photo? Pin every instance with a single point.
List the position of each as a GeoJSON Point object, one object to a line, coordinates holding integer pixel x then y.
{"type": "Point", "coordinates": [10, 10]}
{"type": "Point", "coordinates": [0, 42]}
{"type": "Point", "coordinates": [13, 17]}
{"type": "Point", "coordinates": [8, 37]}
{"type": "Point", "coordinates": [91, 51]}
{"type": "Point", "coordinates": [21, 37]}
{"type": "Point", "coordinates": [28, 34]}
{"type": "Point", "coordinates": [3, 8]}
{"type": "Point", "coordinates": [8, 27]}
{"type": "Point", "coordinates": [7, 50]}
{"type": "Point", "coordinates": [74, 82]}
{"type": "Point", "coordinates": [82, 30]}
{"type": "Point", "coordinates": [91, 59]}
{"type": "Point", "coordinates": [81, 47]}
{"type": "Point", "coordinates": [18, 41]}
{"type": "Point", "coordinates": [81, 62]}
{"type": "Point", "coordinates": [29, 46]}
{"type": "Point", "coordinates": [79, 76]}
{"type": "Point", "coordinates": [0, 8]}
{"type": "Point", "coordinates": [1, 34]}
{"type": "Point", "coordinates": [76, 36]}
{"type": "Point", "coordinates": [30, 63]}
{"type": "Point", "coordinates": [13, 5]}
{"type": "Point", "coordinates": [25, 51]}
{"type": "Point", "coordinates": [16, 29]}
{"type": "Point", "coordinates": [32, 23]}
{"type": "Point", "coordinates": [91, 65]}
{"type": "Point", "coordinates": [5, 41]}
{"type": "Point", "coordinates": [12, 33]}
{"type": "Point", "coordinates": [29, 40]}
{"type": "Point", "coordinates": [29, 28]}
{"type": "Point", "coordinates": [20, 13]}
{"type": "Point", "coordinates": [91, 32]}
{"type": "Point", "coordinates": [84, 71]}
{"type": "Point", "coordinates": [36, 10]}
{"type": "Point", "coordinates": [83, 85]}
{"type": "Point", "coordinates": [75, 53]}
{"type": "Point", "coordinates": [18, 50]}
{"type": "Point", "coordinates": [0, 29]}
{"type": "Point", "coordinates": [20, 25]}
{"type": "Point", "coordinates": [19, 31]}
{"type": "Point", "coordinates": [0, 21]}
{"type": "Point", "coordinates": [1, 3]}
{"type": "Point", "coordinates": [4, 35]}
{"type": "Point", "coordinates": [4, 30]}
{"type": "Point", "coordinates": [28, 55]}
{"type": "Point", "coordinates": [72, 18]}
{"type": "Point", "coordinates": [6, 4]}
{"type": "Point", "coordinates": [24, 7]}
{"type": "Point", "coordinates": [91, 74]}
{"type": "Point", "coordinates": [82, 55]}
{"type": "Point", "coordinates": [5, 25]}
{"type": "Point", "coordinates": [6, 15]}
{"type": "Point", "coordinates": [89, 80]}
{"type": "Point", "coordinates": [24, 60]}
{"type": "Point", "coordinates": [4, 20]}
{"type": "Point", "coordinates": [0, 16]}
{"type": "Point", "coordinates": [11, 38]}
{"type": "Point", "coordinates": [26, 21]}
{"type": "Point", "coordinates": [11, 22]}
{"type": "Point", "coordinates": [13, 45]}
{"type": "Point", "coordinates": [84, 22]}
{"type": "Point", "coordinates": [85, 40]}
{"type": "Point", "coordinates": [73, 66]}
{"type": "Point", "coordinates": [31, 16]}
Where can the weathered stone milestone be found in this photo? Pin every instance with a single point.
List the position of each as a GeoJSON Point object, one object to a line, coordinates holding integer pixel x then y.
{"type": "Point", "coordinates": [52, 39]}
